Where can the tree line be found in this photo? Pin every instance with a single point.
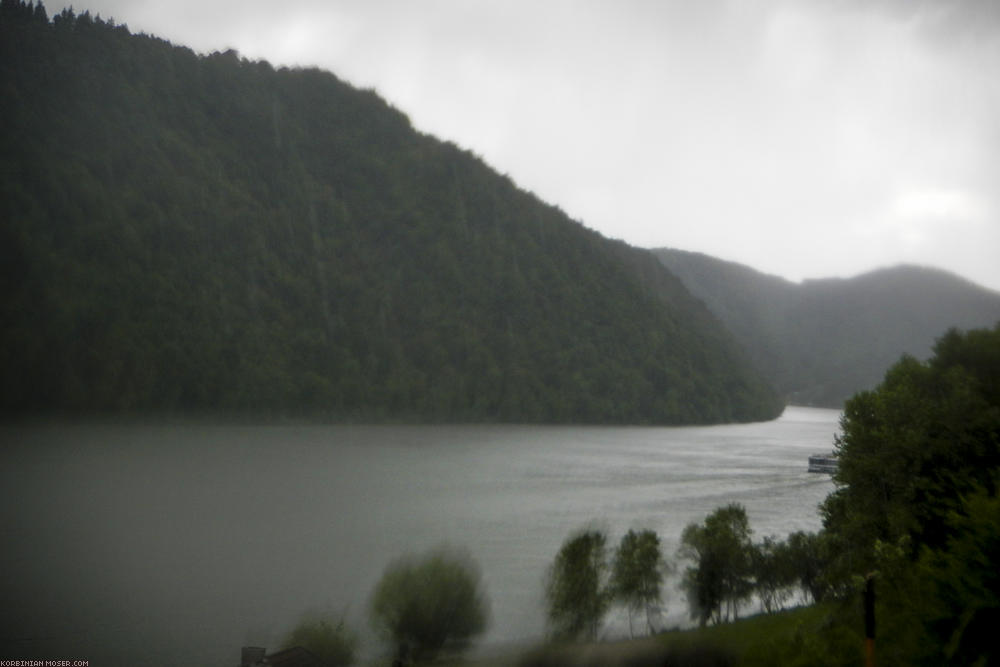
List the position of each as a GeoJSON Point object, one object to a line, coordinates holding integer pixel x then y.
{"type": "Point", "coordinates": [914, 519]}
{"type": "Point", "coordinates": [916, 509]}
{"type": "Point", "coordinates": [425, 606]}
{"type": "Point", "coordinates": [726, 571]}
{"type": "Point", "coordinates": [207, 234]}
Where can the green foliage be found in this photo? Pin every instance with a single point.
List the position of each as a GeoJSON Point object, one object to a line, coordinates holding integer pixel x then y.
{"type": "Point", "coordinates": [911, 448]}
{"type": "Point", "coordinates": [808, 555]}
{"type": "Point", "coordinates": [814, 636]}
{"type": "Point", "coordinates": [943, 609]}
{"type": "Point", "coordinates": [781, 566]}
{"type": "Point", "coordinates": [720, 577]}
{"type": "Point", "coordinates": [190, 233]}
{"type": "Point", "coordinates": [917, 503]}
{"type": "Point", "coordinates": [773, 573]}
{"type": "Point", "coordinates": [821, 635]}
{"type": "Point", "coordinates": [431, 604]}
{"type": "Point", "coordinates": [576, 589]}
{"type": "Point", "coordinates": [637, 572]}
{"type": "Point", "coordinates": [330, 641]}
{"type": "Point", "coordinates": [965, 583]}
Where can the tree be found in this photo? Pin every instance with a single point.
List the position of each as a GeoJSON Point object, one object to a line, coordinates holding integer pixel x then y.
{"type": "Point", "coordinates": [807, 558]}
{"type": "Point", "coordinates": [721, 551]}
{"type": "Point", "coordinates": [965, 583]}
{"type": "Point", "coordinates": [912, 447]}
{"type": "Point", "coordinates": [332, 642]}
{"type": "Point", "coordinates": [576, 589]}
{"type": "Point", "coordinates": [637, 575]}
{"type": "Point", "coordinates": [917, 502]}
{"type": "Point", "coordinates": [944, 607]}
{"type": "Point", "coordinates": [430, 604]}
{"type": "Point", "coordinates": [772, 573]}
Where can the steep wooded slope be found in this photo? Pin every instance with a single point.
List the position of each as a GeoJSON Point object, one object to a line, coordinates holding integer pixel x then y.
{"type": "Point", "coordinates": [821, 341]}
{"type": "Point", "coordinates": [208, 234]}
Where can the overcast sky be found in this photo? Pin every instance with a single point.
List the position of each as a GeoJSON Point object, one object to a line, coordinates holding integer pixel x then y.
{"type": "Point", "coordinates": [806, 139]}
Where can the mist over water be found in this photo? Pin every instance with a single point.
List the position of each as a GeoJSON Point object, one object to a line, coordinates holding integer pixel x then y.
{"type": "Point", "coordinates": [178, 544]}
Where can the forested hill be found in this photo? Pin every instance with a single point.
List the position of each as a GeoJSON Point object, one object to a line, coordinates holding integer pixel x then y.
{"type": "Point", "coordinates": [821, 341]}
{"type": "Point", "coordinates": [186, 234]}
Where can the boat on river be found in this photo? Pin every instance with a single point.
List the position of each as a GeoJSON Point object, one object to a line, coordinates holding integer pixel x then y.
{"type": "Point", "coordinates": [823, 463]}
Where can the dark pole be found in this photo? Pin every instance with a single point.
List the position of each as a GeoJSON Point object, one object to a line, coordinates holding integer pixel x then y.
{"type": "Point", "coordinates": [870, 620]}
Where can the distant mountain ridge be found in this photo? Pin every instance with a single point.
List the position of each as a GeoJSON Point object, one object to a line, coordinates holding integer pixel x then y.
{"type": "Point", "coordinates": [821, 341]}
{"type": "Point", "coordinates": [205, 234]}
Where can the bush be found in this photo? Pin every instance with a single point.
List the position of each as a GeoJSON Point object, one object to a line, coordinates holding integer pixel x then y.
{"type": "Point", "coordinates": [430, 604]}
{"type": "Point", "coordinates": [331, 642]}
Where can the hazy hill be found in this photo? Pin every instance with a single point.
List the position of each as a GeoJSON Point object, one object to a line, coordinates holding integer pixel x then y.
{"type": "Point", "coordinates": [821, 341]}
{"type": "Point", "coordinates": [207, 234]}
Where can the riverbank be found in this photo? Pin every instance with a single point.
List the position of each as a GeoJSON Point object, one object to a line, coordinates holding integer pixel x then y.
{"type": "Point", "coordinates": [196, 521]}
{"type": "Point", "coordinates": [813, 635]}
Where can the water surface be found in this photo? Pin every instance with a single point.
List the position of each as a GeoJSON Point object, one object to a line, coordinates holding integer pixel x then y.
{"type": "Point", "coordinates": [177, 544]}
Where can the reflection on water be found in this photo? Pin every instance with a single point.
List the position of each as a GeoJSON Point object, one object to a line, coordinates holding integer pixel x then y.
{"type": "Point", "coordinates": [170, 545]}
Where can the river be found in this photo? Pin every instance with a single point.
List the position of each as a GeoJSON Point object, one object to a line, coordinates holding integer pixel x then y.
{"type": "Point", "coordinates": [176, 544]}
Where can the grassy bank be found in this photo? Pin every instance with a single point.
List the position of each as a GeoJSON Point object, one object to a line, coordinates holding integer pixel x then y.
{"type": "Point", "coordinates": [806, 636]}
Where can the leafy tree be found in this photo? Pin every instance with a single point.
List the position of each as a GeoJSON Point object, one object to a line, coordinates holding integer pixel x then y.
{"type": "Point", "coordinates": [430, 604]}
{"type": "Point", "coordinates": [943, 608]}
{"type": "Point", "coordinates": [911, 448]}
{"type": "Point", "coordinates": [773, 573]}
{"type": "Point", "coordinates": [807, 559]}
{"type": "Point", "coordinates": [917, 502]}
{"type": "Point", "coordinates": [637, 575]}
{"type": "Point", "coordinates": [719, 580]}
{"type": "Point", "coordinates": [332, 642]}
{"type": "Point", "coordinates": [964, 611]}
{"type": "Point", "coordinates": [576, 588]}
